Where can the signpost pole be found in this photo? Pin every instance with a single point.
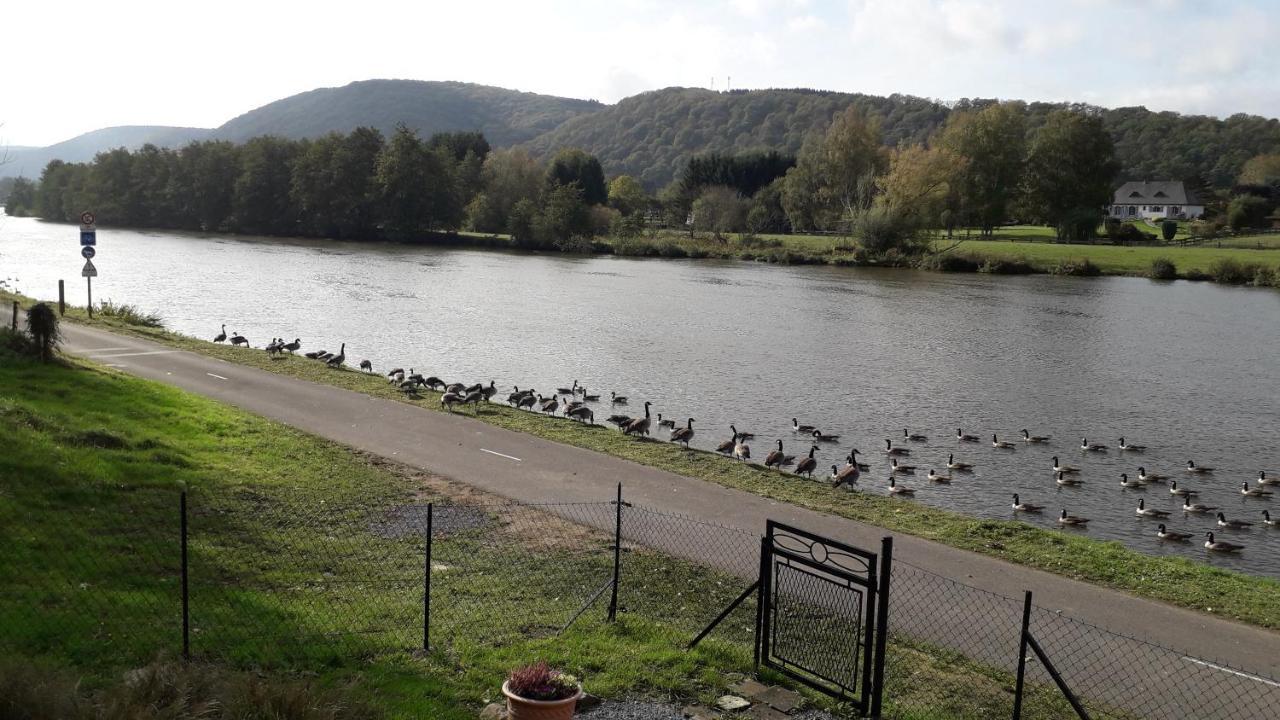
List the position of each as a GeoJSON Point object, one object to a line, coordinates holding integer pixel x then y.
{"type": "Point", "coordinates": [88, 239]}
{"type": "Point", "coordinates": [89, 280]}
{"type": "Point", "coordinates": [62, 298]}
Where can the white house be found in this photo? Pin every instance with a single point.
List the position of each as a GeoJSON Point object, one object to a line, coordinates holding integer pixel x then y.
{"type": "Point", "coordinates": [1151, 200]}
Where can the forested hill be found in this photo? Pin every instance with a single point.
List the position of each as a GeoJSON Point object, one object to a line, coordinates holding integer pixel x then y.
{"type": "Point", "coordinates": [506, 117]}
{"type": "Point", "coordinates": [29, 161]}
{"type": "Point", "coordinates": [653, 134]}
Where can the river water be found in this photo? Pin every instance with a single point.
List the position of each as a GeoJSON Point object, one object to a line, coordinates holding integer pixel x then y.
{"type": "Point", "coordinates": [1191, 370]}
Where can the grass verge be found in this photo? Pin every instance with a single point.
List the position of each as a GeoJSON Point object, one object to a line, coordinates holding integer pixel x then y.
{"type": "Point", "coordinates": [290, 581]}
{"type": "Point", "coordinates": [1177, 581]}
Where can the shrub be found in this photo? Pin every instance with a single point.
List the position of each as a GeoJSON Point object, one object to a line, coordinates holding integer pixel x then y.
{"type": "Point", "coordinates": [950, 262]}
{"type": "Point", "coordinates": [1197, 275]}
{"type": "Point", "coordinates": [671, 249]}
{"type": "Point", "coordinates": [1078, 268]}
{"type": "Point", "coordinates": [1264, 276]}
{"type": "Point", "coordinates": [1163, 269]}
{"type": "Point", "coordinates": [1231, 272]}
{"type": "Point", "coordinates": [129, 314]}
{"type": "Point", "coordinates": [540, 682]}
{"type": "Point", "coordinates": [1168, 229]}
{"type": "Point", "coordinates": [42, 326]}
{"type": "Point", "coordinates": [1005, 266]}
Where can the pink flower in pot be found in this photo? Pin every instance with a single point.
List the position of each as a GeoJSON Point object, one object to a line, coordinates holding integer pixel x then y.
{"type": "Point", "coordinates": [537, 692]}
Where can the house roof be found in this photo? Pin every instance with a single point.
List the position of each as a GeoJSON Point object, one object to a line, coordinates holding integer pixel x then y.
{"type": "Point", "coordinates": [1160, 192]}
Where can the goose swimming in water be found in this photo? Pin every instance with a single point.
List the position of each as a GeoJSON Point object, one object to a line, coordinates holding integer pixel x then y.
{"type": "Point", "coordinates": [1264, 480]}
{"type": "Point", "coordinates": [797, 427]}
{"type": "Point", "coordinates": [1147, 477]}
{"type": "Point", "coordinates": [1266, 519]}
{"type": "Point", "coordinates": [667, 423]}
{"type": "Point", "coordinates": [914, 437]}
{"type": "Point", "coordinates": [1197, 469]}
{"type": "Point", "coordinates": [1065, 519]}
{"type": "Point", "coordinates": [1035, 439]}
{"type": "Point", "coordinates": [1165, 534]}
{"type": "Point", "coordinates": [1065, 481]}
{"type": "Point", "coordinates": [963, 437]}
{"type": "Point", "coordinates": [1220, 545]}
{"type": "Point", "coordinates": [896, 489]}
{"type": "Point", "coordinates": [1195, 507]}
{"type": "Point", "coordinates": [1086, 446]}
{"type": "Point", "coordinates": [935, 477]}
{"type": "Point", "coordinates": [901, 469]}
{"type": "Point", "coordinates": [1131, 448]}
{"type": "Point", "coordinates": [1019, 506]}
{"type": "Point", "coordinates": [820, 437]}
{"type": "Point", "coordinates": [1144, 511]}
{"type": "Point", "coordinates": [1233, 524]}
{"type": "Point", "coordinates": [1060, 468]}
{"type": "Point", "coordinates": [953, 464]}
{"type": "Point", "coordinates": [1125, 482]}
{"type": "Point", "coordinates": [617, 399]}
{"type": "Point", "coordinates": [1247, 491]}
{"type": "Point", "coordinates": [1181, 492]}
{"type": "Point", "coordinates": [889, 449]}
{"type": "Point", "coordinates": [999, 444]}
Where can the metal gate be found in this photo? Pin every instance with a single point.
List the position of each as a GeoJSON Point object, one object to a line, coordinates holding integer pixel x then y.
{"type": "Point", "coordinates": [820, 605]}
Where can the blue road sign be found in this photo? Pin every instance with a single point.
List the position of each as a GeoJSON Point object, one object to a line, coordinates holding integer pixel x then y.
{"type": "Point", "coordinates": [87, 252]}
{"type": "Point", "coordinates": [88, 237]}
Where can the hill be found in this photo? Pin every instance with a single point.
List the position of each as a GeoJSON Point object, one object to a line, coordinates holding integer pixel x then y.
{"type": "Point", "coordinates": [30, 161]}
{"type": "Point", "coordinates": [651, 135]}
{"type": "Point", "coordinates": [505, 116]}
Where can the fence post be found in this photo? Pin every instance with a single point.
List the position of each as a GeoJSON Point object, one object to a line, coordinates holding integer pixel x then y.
{"type": "Point", "coordinates": [761, 599]}
{"type": "Point", "coordinates": [186, 593]}
{"type": "Point", "coordinates": [617, 555]}
{"type": "Point", "coordinates": [882, 623]}
{"type": "Point", "coordinates": [426, 584]}
{"type": "Point", "coordinates": [1022, 655]}
{"type": "Point", "coordinates": [62, 298]}
{"type": "Point", "coordinates": [15, 315]}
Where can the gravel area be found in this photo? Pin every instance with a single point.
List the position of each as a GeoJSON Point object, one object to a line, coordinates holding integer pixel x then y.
{"type": "Point", "coordinates": [411, 520]}
{"type": "Point", "coordinates": [633, 710]}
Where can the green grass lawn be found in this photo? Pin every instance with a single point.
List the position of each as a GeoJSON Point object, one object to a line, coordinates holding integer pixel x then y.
{"type": "Point", "coordinates": [1176, 581]}
{"type": "Point", "coordinates": [290, 582]}
{"type": "Point", "coordinates": [1118, 259]}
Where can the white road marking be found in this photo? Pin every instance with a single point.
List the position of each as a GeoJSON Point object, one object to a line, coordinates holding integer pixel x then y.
{"type": "Point", "coordinates": [509, 457]}
{"type": "Point", "coordinates": [1237, 673]}
{"type": "Point", "coordinates": [106, 349]}
{"type": "Point", "coordinates": [217, 376]}
{"type": "Point", "coordinates": [136, 354]}
{"type": "Point", "coordinates": [114, 365]}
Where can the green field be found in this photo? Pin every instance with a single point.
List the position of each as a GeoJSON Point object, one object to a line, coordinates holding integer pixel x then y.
{"type": "Point", "coordinates": [282, 556]}
{"type": "Point", "coordinates": [1176, 581]}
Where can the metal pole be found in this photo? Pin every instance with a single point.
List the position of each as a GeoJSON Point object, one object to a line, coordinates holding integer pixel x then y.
{"type": "Point", "coordinates": [426, 585]}
{"type": "Point", "coordinates": [62, 298]}
{"type": "Point", "coordinates": [1022, 655]}
{"type": "Point", "coordinates": [882, 624]}
{"type": "Point", "coordinates": [15, 315]}
{"type": "Point", "coordinates": [186, 594]}
{"type": "Point", "coordinates": [1057, 678]}
{"type": "Point", "coordinates": [761, 599]}
{"type": "Point", "coordinates": [617, 555]}
{"type": "Point", "coordinates": [89, 280]}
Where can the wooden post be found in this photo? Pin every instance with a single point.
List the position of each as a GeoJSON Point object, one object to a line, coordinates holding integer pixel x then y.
{"type": "Point", "coordinates": [15, 315]}
{"type": "Point", "coordinates": [62, 298]}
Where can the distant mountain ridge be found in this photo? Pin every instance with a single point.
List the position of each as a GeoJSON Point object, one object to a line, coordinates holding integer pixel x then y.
{"type": "Point", "coordinates": [652, 135]}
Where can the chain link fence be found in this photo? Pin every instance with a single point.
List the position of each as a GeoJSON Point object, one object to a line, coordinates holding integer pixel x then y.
{"type": "Point", "coordinates": [269, 583]}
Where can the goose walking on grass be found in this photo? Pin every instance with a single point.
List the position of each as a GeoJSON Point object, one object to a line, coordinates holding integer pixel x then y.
{"type": "Point", "coordinates": [449, 399]}
{"type": "Point", "coordinates": [1247, 491]}
{"type": "Point", "coordinates": [550, 404]}
{"type": "Point", "coordinates": [292, 347]}
{"type": "Point", "coordinates": [896, 489]}
{"type": "Point", "coordinates": [889, 449]}
{"type": "Point", "coordinates": [366, 366]}
{"type": "Point", "coordinates": [741, 450]}
{"type": "Point", "coordinates": [842, 475]}
{"type": "Point", "coordinates": [1266, 519]}
{"type": "Point", "coordinates": [582, 413]}
{"type": "Point", "coordinates": [1195, 507]}
{"type": "Point", "coordinates": [436, 383]}
{"type": "Point", "coordinates": [914, 437]}
{"type": "Point", "coordinates": [222, 336]}
{"type": "Point", "coordinates": [853, 460]}
{"type": "Point", "coordinates": [1131, 448]}
{"type": "Point", "coordinates": [1086, 446]}
{"type": "Point", "coordinates": [1197, 469]}
{"type": "Point", "coordinates": [1034, 439]}
{"type": "Point", "coordinates": [1220, 545]}
{"type": "Point", "coordinates": [1060, 468]}
{"type": "Point", "coordinates": [961, 436]}
{"type": "Point", "coordinates": [473, 399]}
{"type": "Point", "coordinates": [316, 354]}
{"type": "Point", "coordinates": [617, 399]}
{"type": "Point", "coordinates": [489, 390]}
{"type": "Point", "coordinates": [1144, 511]}
{"type": "Point", "coordinates": [774, 458]}
{"type": "Point", "coordinates": [1125, 482]}
{"type": "Point", "coordinates": [527, 401]}
{"type": "Point", "coordinates": [897, 469]}
{"type": "Point", "coordinates": [1181, 492]}
{"type": "Point", "coordinates": [1264, 480]}
{"type": "Point", "coordinates": [683, 435]}
{"type": "Point", "coordinates": [238, 339]}
{"type": "Point", "coordinates": [933, 476]}
{"type": "Point", "coordinates": [1233, 524]}
{"type": "Point", "coordinates": [341, 357]}
{"type": "Point", "coordinates": [953, 464]}
{"type": "Point", "coordinates": [999, 444]}
{"type": "Point", "coordinates": [1165, 534]}
{"type": "Point", "coordinates": [1147, 477]}
{"type": "Point", "coordinates": [807, 465]}
{"type": "Point", "coordinates": [1065, 481]}
{"type": "Point", "coordinates": [1072, 520]}
{"type": "Point", "coordinates": [639, 426]}
{"type": "Point", "coordinates": [1019, 506]}
{"type": "Point", "coordinates": [727, 446]}
{"type": "Point", "coordinates": [797, 427]}
{"type": "Point", "coordinates": [819, 436]}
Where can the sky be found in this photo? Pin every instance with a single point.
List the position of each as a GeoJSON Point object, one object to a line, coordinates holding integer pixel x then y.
{"type": "Point", "coordinates": [76, 66]}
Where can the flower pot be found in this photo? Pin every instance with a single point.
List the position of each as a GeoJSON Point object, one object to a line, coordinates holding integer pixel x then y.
{"type": "Point", "coordinates": [519, 708]}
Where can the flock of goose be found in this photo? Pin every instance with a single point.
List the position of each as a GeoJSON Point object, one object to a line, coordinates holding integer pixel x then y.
{"type": "Point", "coordinates": [576, 403]}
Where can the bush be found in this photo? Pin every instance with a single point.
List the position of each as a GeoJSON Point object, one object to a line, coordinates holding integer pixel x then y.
{"type": "Point", "coordinates": [1197, 275]}
{"type": "Point", "coordinates": [1163, 269]}
{"type": "Point", "coordinates": [540, 682]}
{"type": "Point", "coordinates": [1168, 230]}
{"type": "Point", "coordinates": [1005, 266]}
{"type": "Point", "coordinates": [950, 262]}
{"type": "Point", "coordinates": [129, 314]}
{"type": "Point", "coordinates": [1232, 272]}
{"type": "Point", "coordinates": [1078, 268]}
{"type": "Point", "coordinates": [42, 326]}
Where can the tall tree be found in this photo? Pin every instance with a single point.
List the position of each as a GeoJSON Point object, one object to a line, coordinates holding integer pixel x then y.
{"type": "Point", "coordinates": [22, 198]}
{"type": "Point", "coordinates": [416, 187]}
{"type": "Point", "coordinates": [835, 173]}
{"type": "Point", "coordinates": [572, 166]}
{"type": "Point", "coordinates": [1071, 171]}
{"type": "Point", "coordinates": [993, 143]}
{"type": "Point", "coordinates": [508, 176]}
{"type": "Point", "coordinates": [261, 201]}
{"type": "Point", "coordinates": [332, 184]}
{"type": "Point", "coordinates": [203, 183]}
{"type": "Point", "coordinates": [1261, 170]}
{"type": "Point", "coordinates": [920, 183]}
{"type": "Point", "coordinates": [627, 195]}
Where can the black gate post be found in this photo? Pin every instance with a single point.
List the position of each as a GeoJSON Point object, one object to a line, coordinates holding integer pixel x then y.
{"type": "Point", "coordinates": [882, 624]}
{"type": "Point", "coordinates": [762, 600]}
{"type": "Point", "coordinates": [426, 585]}
{"type": "Point", "coordinates": [617, 555]}
{"type": "Point", "coordinates": [1022, 655]}
{"type": "Point", "coordinates": [186, 594]}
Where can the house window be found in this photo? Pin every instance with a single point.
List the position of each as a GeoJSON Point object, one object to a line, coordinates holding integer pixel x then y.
{"type": "Point", "coordinates": [1175, 210]}
{"type": "Point", "coordinates": [1157, 208]}
{"type": "Point", "coordinates": [1133, 210]}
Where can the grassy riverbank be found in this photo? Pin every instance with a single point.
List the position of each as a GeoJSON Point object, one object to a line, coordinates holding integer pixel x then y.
{"type": "Point", "coordinates": [88, 485]}
{"type": "Point", "coordinates": [1173, 580]}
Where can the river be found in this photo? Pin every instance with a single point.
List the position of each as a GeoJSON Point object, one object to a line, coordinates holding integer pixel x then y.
{"type": "Point", "coordinates": [1191, 370]}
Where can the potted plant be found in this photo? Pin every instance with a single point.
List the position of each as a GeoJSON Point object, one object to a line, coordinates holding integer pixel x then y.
{"type": "Point", "coordinates": [536, 692]}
